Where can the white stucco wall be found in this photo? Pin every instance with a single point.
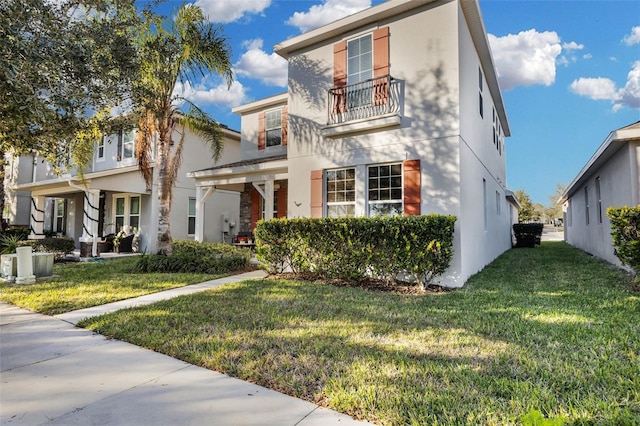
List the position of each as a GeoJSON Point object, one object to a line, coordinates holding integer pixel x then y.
{"type": "Point", "coordinates": [439, 86]}
{"type": "Point", "coordinates": [616, 189]}
{"type": "Point", "coordinates": [485, 217]}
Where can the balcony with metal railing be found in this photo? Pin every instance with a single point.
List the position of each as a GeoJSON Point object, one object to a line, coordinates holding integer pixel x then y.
{"type": "Point", "coordinates": [365, 100]}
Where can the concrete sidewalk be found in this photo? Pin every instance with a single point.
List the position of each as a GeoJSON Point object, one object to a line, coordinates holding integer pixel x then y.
{"type": "Point", "coordinates": [54, 373]}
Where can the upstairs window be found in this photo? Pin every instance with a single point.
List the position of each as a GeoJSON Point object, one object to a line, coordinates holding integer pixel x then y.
{"type": "Point", "coordinates": [100, 150]}
{"type": "Point", "coordinates": [359, 59]}
{"type": "Point", "coordinates": [599, 199]}
{"type": "Point", "coordinates": [125, 145]}
{"type": "Point", "coordinates": [273, 127]}
{"type": "Point", "coordinates": [480, 100]}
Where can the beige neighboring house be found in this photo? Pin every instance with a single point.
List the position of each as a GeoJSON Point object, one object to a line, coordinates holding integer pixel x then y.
{"type": "Point", "coordinates": [113, 196]}
{"type": "Point", "coordinates": [609, 179]}
{"type": "Point", "coordinates": [393, 110]}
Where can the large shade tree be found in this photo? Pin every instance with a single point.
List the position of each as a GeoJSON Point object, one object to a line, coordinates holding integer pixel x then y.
{"type": "Point", "coordinates": [62, 62]}
{"type": "Point", "coordinates": [183, 50]}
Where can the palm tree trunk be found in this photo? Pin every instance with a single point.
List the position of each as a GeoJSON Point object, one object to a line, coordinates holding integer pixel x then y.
{"type": "Point", "coordinates": [2, 161]}
{"type": "Point", "coordinates": [164, 189]}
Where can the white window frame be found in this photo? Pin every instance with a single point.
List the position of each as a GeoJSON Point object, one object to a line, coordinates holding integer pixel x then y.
{"type": "Point", "coordinates": [586, 203]}
{"type": "Point", "coordinates": [59, 214]}
{"type": "Point", "coordinates": [273, 123]}
{"type": "Point", "coordinates": [191, 216]}
{"type": "Point", "coordinates": [599, 199]}
{"type": "Point", "coordinates": [126, 147]}
{"type": "Point", "coordinates": [331, 207]}
{"type": "Point", "coordinates": [100, 150]}
{"type": "Point", "coordinates": [361, 74]}
{"type": "Point", "coordinates": [391, 200]}
{"type": "Point", "coordinates": [353, 197]}
{"type": "Point", "coordinates": [127, 214]}
{"type": "Point", "coordinates": [481, 99]}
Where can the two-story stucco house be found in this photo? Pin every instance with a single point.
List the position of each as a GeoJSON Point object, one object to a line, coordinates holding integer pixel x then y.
{"type": "Point", "coordinates": [112, 195]}
{"type": "Point", "coordinates": [609, 179]}
{"type": "Point", "coordinates": [393, 110]}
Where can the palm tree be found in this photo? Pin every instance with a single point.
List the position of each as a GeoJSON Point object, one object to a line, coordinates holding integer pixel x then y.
{"type": "Point", "coordinates": [186, 48]}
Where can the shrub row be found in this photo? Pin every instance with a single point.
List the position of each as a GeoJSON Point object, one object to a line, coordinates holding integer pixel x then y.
{"type": "Point", "coordinates": [196, 257]}
{"type": "Point", "coordinates": [528, 234]}
{"type": "Point", "coordinates": [59, 246]}
{"type": "Point", "coordinates": [625, 231]}
{"type": "Point", "coordinates": [419, 247]}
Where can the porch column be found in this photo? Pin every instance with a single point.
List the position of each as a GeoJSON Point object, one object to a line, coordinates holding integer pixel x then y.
{"type": "Point", "coordinates": [90, 215]}
{"type": "Point", "coordinates": [202, 195]}
{"type": "Point", "coordinates": [37, 217]}
{"type": "Point", "coordinates": [268, 191]}
{"type": "Point", "coordinates": [267, 196]}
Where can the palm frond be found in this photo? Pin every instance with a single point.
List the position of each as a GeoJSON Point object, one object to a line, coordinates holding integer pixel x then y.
{"type": "Point", "coordinates": [203, 125]}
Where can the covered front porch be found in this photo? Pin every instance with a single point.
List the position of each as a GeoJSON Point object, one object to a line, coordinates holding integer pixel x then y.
{"type": "Point", "coordinates": [91, 209]}
{"type": "Point", "coordinates": [263, 188]}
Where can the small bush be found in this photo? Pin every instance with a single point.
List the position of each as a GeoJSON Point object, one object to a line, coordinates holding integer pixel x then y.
{"type": "Point", "coordinates": [59, 246]}
{"type": "Point", "coordinates": [625, 231]}
{"type": "Point", "coordinates": [528, 234]}
{"type": "Point", "coordinates": [358, 248]}
{"type": "Point", "coordinates": [196, 257]}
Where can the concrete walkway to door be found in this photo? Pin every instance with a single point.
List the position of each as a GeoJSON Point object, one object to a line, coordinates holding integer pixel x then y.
{"type": "Point", "coordinates": [54, 373]}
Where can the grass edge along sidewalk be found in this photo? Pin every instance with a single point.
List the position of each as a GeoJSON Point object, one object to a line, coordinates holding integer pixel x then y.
{"type": "Point", "coordinates": [86, 284]}
{"type": "Point", "coordinates": [549, 332]}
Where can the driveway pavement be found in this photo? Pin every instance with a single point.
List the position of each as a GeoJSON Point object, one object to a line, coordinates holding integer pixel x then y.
{"type": "Point", "coordinates": [52, 372]}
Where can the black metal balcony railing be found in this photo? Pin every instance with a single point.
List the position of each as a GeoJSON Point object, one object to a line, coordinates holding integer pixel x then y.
{"type": "Point", "coordinates": [365, 99]}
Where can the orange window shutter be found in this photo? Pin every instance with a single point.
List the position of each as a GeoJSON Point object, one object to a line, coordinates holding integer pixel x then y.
{"type": "Point", "coordinates": [340, 64]}
{"type": "Point", "coordinates": [255, 208]}
{"type": "Point", "coordinates": [316, 193]}
{"type": "Point", "coordinates": [261, 131]}
{"type": "Point", "coordinates": [412, 187]}
{"type": "Point", "coordinates": [381, 52]}
{"type": "Point", "coordinates": [285, 125]}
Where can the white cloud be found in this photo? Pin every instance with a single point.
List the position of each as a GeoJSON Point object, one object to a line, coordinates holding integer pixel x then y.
{"type": "Point", "coordinates": [605, 89]}
{"type": "Point", "coordinates": [255, 63]}
{"type": "Point", "coordinates": [218, 95]}
{"type": "Point", "coordinates": [634, 37]}
{"type": "Point", "coordinates": [631, 92]}
{"type": "Point", "coordinates": [229, 11]}
{"type": "Point", "coordinates": [329, 11]}
{"type": "Point", "coordinates": [595, 88]}
{"type": "Point", "coordinates": [526, 58]}
{"type": "Point", "coordinates": [572, 46]}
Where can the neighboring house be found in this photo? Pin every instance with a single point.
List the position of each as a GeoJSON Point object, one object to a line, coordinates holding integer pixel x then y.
{"type": "Point", "coordinates": [609, 179]}
{"type": "Point", "coordinates": [392, 110]}
{"type": "Point", "coordinates": [112, 195]}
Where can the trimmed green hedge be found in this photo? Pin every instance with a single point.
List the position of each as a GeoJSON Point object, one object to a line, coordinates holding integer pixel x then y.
{"type": "Point", "coordinates": [625, 231]}
{"type": "Point", "coordinates": [528, 234]}
{"type": "Point", "coordinates": [418, 247]}
{"type": "Point", "coordinates": [196, 257]}
{"type": "Point", "coordinates": [59, 246]}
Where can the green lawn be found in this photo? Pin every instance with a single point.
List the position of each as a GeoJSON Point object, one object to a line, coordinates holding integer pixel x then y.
{"type": "Point", "coordinates": [547, 332]}
{"type": "Point", "coordinates": [85, 284]}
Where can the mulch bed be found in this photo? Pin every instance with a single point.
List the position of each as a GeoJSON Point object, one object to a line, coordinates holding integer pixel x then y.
{"type": "Point", "coordinates": [368, 284]}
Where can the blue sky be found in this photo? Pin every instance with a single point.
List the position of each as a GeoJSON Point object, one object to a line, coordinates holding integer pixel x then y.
{"type": "Point", "coordinates": [569, 70]}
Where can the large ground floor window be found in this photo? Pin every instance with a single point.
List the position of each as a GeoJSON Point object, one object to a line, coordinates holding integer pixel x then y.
{"type": "Point", "coordinates": [380, 184]}
{"type": "Point", "coordinates": [126, 213]}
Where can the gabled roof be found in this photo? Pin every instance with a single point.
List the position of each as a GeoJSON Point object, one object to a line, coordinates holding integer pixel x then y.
{"type": "Point", "coordinates": [392, 8]}
{"type": "Point", "coordinates": [612, 144]}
